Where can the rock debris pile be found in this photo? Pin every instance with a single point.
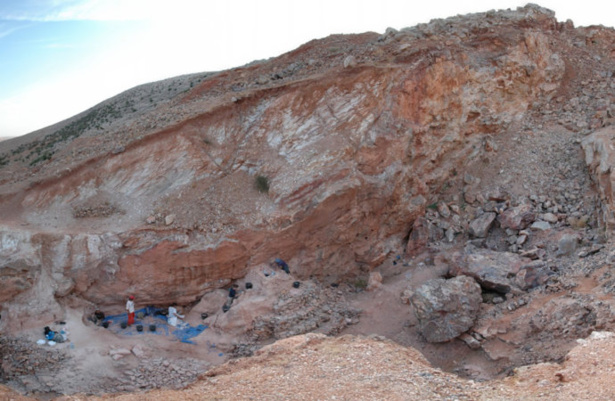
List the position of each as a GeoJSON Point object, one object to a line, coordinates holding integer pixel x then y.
{"type": "Point", "coordinates": [160, 373]}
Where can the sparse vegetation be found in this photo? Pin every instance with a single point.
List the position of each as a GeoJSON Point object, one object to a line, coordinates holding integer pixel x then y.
{"type": "Point", "coordinates": [433, 206]}
{"type": "Point", "coordinates": [262, 183]}
{"type": "Point", "coordinates": [43, 148]}
{"type": "Point", "coordinates": [105, 209]}
{"type": "Point", "coordinates": [45, 156]}
{"type": "Point", "coordinates": [360, 283]}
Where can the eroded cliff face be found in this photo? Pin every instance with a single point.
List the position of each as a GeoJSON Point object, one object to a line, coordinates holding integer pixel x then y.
{"type": "Point", "coordinates": [353, 140]}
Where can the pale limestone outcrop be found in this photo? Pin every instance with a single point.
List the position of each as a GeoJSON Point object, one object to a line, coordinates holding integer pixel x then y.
{"type": "Point", "coordinates": [600, 159]}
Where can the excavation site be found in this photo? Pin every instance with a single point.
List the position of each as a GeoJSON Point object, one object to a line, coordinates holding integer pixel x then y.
{"type": "Point", "coordinates": [419, 214]}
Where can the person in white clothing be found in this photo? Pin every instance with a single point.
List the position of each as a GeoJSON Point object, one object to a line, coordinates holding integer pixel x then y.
{"type": "Point", "coordinates": [173, 316]}
{"type": "Point", "coordinates": [130, 309]}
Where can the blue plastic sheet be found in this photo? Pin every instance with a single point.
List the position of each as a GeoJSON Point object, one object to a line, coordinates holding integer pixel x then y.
{"type": "Point", "coordinates": [184, 334]}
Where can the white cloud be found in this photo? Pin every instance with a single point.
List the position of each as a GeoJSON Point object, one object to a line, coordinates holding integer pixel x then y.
{"type": "Point", "coordinates": [112, 10]}
{"type": "Point", "coordinates": [6, 29]}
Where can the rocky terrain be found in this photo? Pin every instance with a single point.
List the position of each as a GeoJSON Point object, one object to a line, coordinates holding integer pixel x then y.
{"type": "Point", "coordinates": [445, 186]}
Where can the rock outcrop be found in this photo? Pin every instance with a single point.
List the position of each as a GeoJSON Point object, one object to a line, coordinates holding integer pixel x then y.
{"type": "Point", "coordinates": [349, 152]}
{"type": "Point", "coordinates": [600, 159]}
{"type": "Point", "coordinates": [446, 308]}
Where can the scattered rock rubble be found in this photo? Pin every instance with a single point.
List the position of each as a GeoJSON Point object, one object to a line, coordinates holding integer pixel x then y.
{"type": "Point", "coordinates": [31, 368]}
{"type": "Point", "coordinates": [313, 308]}
{"type": "Point", "coordinates": [160, 373]}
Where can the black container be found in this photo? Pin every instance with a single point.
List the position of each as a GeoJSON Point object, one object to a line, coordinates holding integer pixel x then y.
{"type": "Point", "coordinates": [248, 285]}
{"type": "Point", "coordinates": [105, 325]}
{"type": "Point", "coordinates": [204, 315]}
{"type": "Point", "coordinates": [296, 284]}
{"type": "Point", "coordinates": [139, 327]}
{"type": "Point", "coordinates": [123, 325]}
{"type": "Point", "coordinates": [152, 327]}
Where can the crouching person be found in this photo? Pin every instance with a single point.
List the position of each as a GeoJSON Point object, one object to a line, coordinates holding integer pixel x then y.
{"type": "Point", "coordinates": [232, 294]}
{"type": "Point", "coordinates": [173, 317]}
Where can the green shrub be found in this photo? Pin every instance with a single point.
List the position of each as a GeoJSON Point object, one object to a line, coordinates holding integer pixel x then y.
{"type": "Point", "coordinates": [360, 283]}
{"type": "Point", "coordinates": [262, 183]}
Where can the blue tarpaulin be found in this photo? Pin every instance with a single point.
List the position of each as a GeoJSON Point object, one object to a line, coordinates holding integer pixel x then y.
{"type": "Point", "coordinates": [186, 333]}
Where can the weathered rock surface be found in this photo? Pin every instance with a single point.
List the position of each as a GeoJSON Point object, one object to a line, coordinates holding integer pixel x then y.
{"type": "Point", "coordinates": [480, 226]}
{"type": "Point", "coordinates": [499, 271]}
{"type": "Point", "coordinates": [585, 373]}
{"type": "Point", "coordinates": [600, 159]}
{"type": "Point", "coordinates": [517, 218]}
{"type": "Point", "coordinates": [446, 308]}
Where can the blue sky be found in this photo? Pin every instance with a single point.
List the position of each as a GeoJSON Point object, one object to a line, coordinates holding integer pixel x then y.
{"type": "Point", "coordinates": [60, 57]}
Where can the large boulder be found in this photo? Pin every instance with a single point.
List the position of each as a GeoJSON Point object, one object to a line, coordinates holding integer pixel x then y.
{"type": "Point", "coordinates": [479, 227]}
{"type": "Point", "coordinates": [517, 218]}
{"type": "Point", "coordinates": [446, 308]}
{"type": "Point", "coordinates": [499, 271]}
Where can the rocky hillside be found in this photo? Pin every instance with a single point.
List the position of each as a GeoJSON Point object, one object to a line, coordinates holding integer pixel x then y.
{"type": "Point", "coordinates": [460, 167]}
{"type": "Point", "coordinates": [355, 368]}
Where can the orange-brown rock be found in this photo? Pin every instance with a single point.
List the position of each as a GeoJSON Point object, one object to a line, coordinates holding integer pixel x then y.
{"type": "Point", "coordinates": [349, 156]}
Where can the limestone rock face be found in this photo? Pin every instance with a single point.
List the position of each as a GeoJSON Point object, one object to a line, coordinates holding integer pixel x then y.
{"type": "Point", "coordinates": [423, 231]}
{"type": "Point", "coordinates": [600, 158]}
{"type": "Point", "coordinates": [446, 308]}
{"type": "Point", "coordinates": [348, 156]}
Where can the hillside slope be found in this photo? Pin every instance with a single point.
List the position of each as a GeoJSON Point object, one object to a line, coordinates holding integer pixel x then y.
{"type": "Point", "coordinates": [446, 185]}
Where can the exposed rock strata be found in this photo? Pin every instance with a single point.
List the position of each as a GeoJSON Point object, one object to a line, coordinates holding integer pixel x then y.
{"type": "Point", "coordinates": [351, 156]}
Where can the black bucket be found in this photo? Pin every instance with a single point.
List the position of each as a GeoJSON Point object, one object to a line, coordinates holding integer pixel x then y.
{"type": "Point", "coordinates": [152, 327]}
{"type": "Point", "coordinates": [204, 315]}
{"type": "Point", "coordinates": [296, 284]}
{"type": "Point", "coordinates": [139, 327]}
{"type": "Point", "coordinates": [248, 286]}
{"type": "Point", "coordinates": [123, 325]}
{"type": "Point", "coordinates": [105, 325]}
